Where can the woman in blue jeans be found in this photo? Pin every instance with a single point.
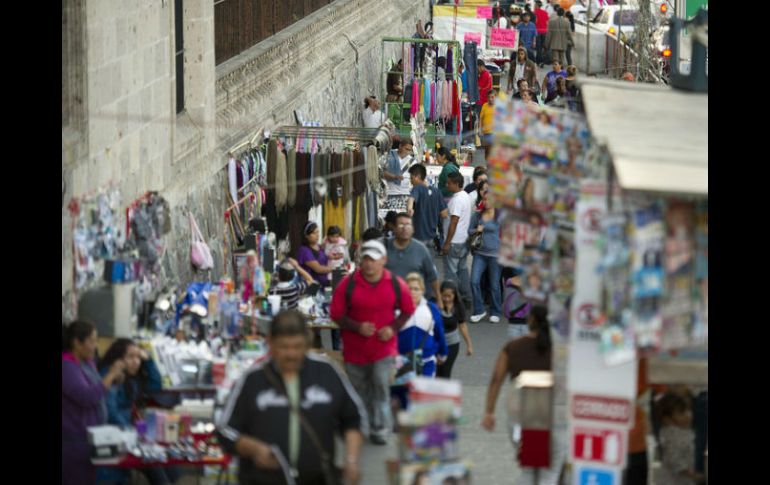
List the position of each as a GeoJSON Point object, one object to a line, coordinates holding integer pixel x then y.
{"type": "Point", "coordinates": [485, 258]}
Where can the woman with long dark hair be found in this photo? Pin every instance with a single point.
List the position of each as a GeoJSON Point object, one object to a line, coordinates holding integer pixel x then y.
{"type": "Point", "coordinates": [455, 324]}
{"type": "Point", "coordinates": [126, 397]}
{"type": "Point", "coordinates": [529, 352]}
{"type": "Point", "coordinates": [82, 400]}
{"type": "Point", "coordinates": [485, 222]}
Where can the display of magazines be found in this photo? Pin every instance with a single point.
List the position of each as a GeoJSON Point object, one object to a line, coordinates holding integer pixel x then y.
{"type": "Point", "coordinates": [536, 164]}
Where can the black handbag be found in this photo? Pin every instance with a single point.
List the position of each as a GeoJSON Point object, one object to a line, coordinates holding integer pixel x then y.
{"type": "Point", "coordinates": [475, 241]}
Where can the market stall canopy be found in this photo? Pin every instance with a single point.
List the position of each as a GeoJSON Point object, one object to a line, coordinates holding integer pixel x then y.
{"type": "Point", "coordinates": [657, 136]}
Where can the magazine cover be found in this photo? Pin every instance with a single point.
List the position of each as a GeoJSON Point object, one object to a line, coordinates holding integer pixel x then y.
{"type": "Point", "coordinates": [678, 307]}
{"type": "Point", "coordinates": [648, 276]}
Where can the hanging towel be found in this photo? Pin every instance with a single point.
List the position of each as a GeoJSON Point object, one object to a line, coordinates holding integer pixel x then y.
{"type": "Point", "coordinates": [426, 105]}
{"type": "Point", "coordinates": [291, 177]}
{"type": "Point", "coordinates": [281, 186]}
{"type": "Point", "coordinates": [434, 99]}
{"type": "Point", "coordinates": [347, 178]}
{"type": "Point", "coordinates": [415, 107]}
{"type": "Point", "coordinates": [232, 178]}
{"type": "Point", "coordinates": [373, 175]}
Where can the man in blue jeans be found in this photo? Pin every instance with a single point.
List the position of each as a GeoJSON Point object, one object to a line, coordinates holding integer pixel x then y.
{"type": "Point", "coordinates": [527, 37]}
{"type": "Point", "coordinates": [455, 249]}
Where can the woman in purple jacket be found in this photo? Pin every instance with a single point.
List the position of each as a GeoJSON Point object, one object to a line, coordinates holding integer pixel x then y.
{"type": "Point", "coordinates": [82, 400]}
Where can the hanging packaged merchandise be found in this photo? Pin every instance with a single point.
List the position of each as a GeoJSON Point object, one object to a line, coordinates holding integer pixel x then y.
{"type": "Point", "coordinates": [647, 276]}
{"type": "Point", "coordinates": [678, 305]}
{"type": "Point", "coordinates": [617, 335]}
{"type": "Point", "coordinates": [200, 254]}
{"type": "Point", "coordinates": [701, 287]}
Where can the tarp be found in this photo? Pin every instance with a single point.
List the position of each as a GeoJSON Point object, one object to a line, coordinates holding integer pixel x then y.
{"type": "Point", "coordinates": [443, 24]}
{"type": "Point", "coordinates": [657, 136]}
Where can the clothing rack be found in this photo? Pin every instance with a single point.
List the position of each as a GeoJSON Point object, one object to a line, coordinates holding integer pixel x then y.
{"type": "Point", "coordinates": [328, 133]}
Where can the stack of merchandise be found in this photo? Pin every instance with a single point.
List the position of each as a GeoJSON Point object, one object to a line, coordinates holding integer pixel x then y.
{"type": "Point", "coordinates": [428, 448]}
{"type": "Point", "coordinates": [182, 363]}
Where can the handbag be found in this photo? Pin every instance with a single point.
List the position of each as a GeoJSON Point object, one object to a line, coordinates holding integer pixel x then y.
{"type": "Point", "coordinates": [475, 241]}
{"type": "Point", "coordinates": [332, 475]}
{"type": "Point", "coordinates": [200, 254]}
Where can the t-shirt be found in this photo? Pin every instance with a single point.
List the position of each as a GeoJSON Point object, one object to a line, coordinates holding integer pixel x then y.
{"type": "Point", "coordinates": [448, 168]}
{"type": "Point", "coordinates": [523, 355]}
{"type": "Point", "coordinates": [289, 293]}
{"type": "Point", "coordinates": [428, 204]}
{"type": "Point", "coordinates": [677, 447]}
{"type": "Point", "coordinates": [485, 84]}
{"type": "Point", "coordinates": [369, 303]}
{"type": "Point", "coordinates": [373, 119]}
{"type": "Point", "coordinates": [306, 255]}
{"type": "Point", "coordinates": [398, 166]}
{"type": "Point", "coordinates": [550, 80]}
{"type": "Point", "coordinates": [541, 21]}
{"type": "Point", "coordinates": [453, 320]}
{"type": "Point", "coordinates": [487, 118]}
{"type": "Point", "coordinates": [459, 205]}
{"type": "Point", "coordinates": [413, 258]}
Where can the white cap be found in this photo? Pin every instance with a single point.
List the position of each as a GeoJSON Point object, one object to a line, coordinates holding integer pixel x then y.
{"type": "Point", "coordinates": [373, 249]}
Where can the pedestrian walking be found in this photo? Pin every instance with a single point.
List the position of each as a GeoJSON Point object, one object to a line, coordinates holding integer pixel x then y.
{"type": "Point", "coordinates": [396, 173]}
{"type": "Point", "coordinates": [455, 249]}
{"type": "Point", "coordinates": [282, 415]}
{"type": "Point", "coordinates": [571, 19]}
{"type": "Point", "coordinates": [559, 36]}
{"type": "Point", "coordinates": [455, 324]}
{"type": "Point", "coordinates": [425, 205]}
{"type": "Point", "coordinates": [366, 306]}
{"type": "Point", "coordinates": [407, 255]}
{"type": "Point", "coordinates": [521, 68]}
{"type": "Point", "coordinates": [528, 37]}
{"type": "Point", "coordinates": [424, 331]}
{"type": "Point", "coordinates": [485, 259]}
{"type": "Point", "coordinates": [541, 24]}
{"type": "Point", "coordinates": [485, 85]}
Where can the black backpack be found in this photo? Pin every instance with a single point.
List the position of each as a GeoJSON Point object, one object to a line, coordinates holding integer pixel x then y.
{"type": "Point", "coordinates": [351, 284]}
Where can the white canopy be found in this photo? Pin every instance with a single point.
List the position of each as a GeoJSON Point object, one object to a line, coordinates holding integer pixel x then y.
{"type": "Point", "coordinates": [657, 136]}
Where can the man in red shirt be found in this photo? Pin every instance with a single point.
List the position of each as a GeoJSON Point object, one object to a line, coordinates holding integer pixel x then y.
{"type": "Point", "coordinates": [370, 325]}
{"type": "Point", "coordinates": [485, 85]}
{"type": "Point", "coordinates": [541, 24]}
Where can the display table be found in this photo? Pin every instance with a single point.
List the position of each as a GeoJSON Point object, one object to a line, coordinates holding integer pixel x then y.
{"type": "Point", "coordinates": [131, 462]}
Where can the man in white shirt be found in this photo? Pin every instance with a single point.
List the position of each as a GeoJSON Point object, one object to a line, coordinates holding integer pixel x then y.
{"type": "Point", "coordinates": [455, 249]}
{"type": "Point", "coordinates": [373, 117]}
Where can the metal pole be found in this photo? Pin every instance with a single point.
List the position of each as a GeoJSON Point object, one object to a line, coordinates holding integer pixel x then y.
{"type": "Point", "coordinates": [588, 39]}
{"type": "Point", "coordinates": [620, 33]}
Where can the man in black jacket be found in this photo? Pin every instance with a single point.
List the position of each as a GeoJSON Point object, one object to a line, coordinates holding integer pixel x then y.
{"type": "Point", "coordinates": [281, 416]}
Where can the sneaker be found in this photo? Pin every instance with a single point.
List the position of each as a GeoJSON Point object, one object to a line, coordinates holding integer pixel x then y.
{"type": "Point", "coordinates": [476, 318]}
{"type": "Point", "coordinates": [378, 440]}
{"type": "Point", "coordinates": [494, 319]}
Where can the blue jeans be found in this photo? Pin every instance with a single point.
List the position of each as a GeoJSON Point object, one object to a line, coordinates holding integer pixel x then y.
{"type": "Point", "coordinates": [481, 263]}
{"type": "Point", "coordinates": [456, 268]}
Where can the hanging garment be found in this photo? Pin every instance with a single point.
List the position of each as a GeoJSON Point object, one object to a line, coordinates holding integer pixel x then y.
{"type": "Point", "coordinates": [347, 178]}
{"type": "Point", "coordinates": [359, 172]}
{"type": "Point", "coordinates": [434, 99]}
{"type": "Point", "coordinates": [281, 188]}
{"type": "Point", "coordinates": [426, 100]}
{"type": "Point", "coordinates": [371, 208]}
{"type": "Point", "coordinates": [335, 189]}
{"type": "Point", "coordinates": [334, 214]}
{"type": "Point", "coordinates": [276, 220]}
{"type": "Point", "coordinates": [470, 58]}
{"type": "Point", "coordinates": [449, 62]}
{"type": "Point", "coordinates": [232, 178]}
{"type": "Point", "coordinates": [272, 159]}
{"type": "Point", "coordinates": [316, 162]}
{"type": "Point", "coordinates": [415, 106]}
{"type": "Point", "coordinates": [297, 220]}
{"type": "Point", "coordinates": [291, 177]}
{"type": "Point", "coordinates": [304, 198]}
{"type": "Point", "coordinates": [372, 174]}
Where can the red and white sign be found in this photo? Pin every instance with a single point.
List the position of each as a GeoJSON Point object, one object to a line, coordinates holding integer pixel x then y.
{"type": "Point", "coordinates": [598, 445]}
{"type": "Point", "coordinates": [600, 408]}
{"type": "Point", "coordinates": [473, 37]}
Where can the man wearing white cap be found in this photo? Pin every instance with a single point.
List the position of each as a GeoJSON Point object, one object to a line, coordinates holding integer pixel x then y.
{"type": "Point", "coordinates": [370, 306]}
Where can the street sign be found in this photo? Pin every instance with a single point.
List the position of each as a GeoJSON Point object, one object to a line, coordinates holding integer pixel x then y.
{"type": "Point", "coordinates": [604, 446]}
{"type": "Point", "coordinates": [592, 475]}
{"type": "Point", "coordinates": [602, 408]}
